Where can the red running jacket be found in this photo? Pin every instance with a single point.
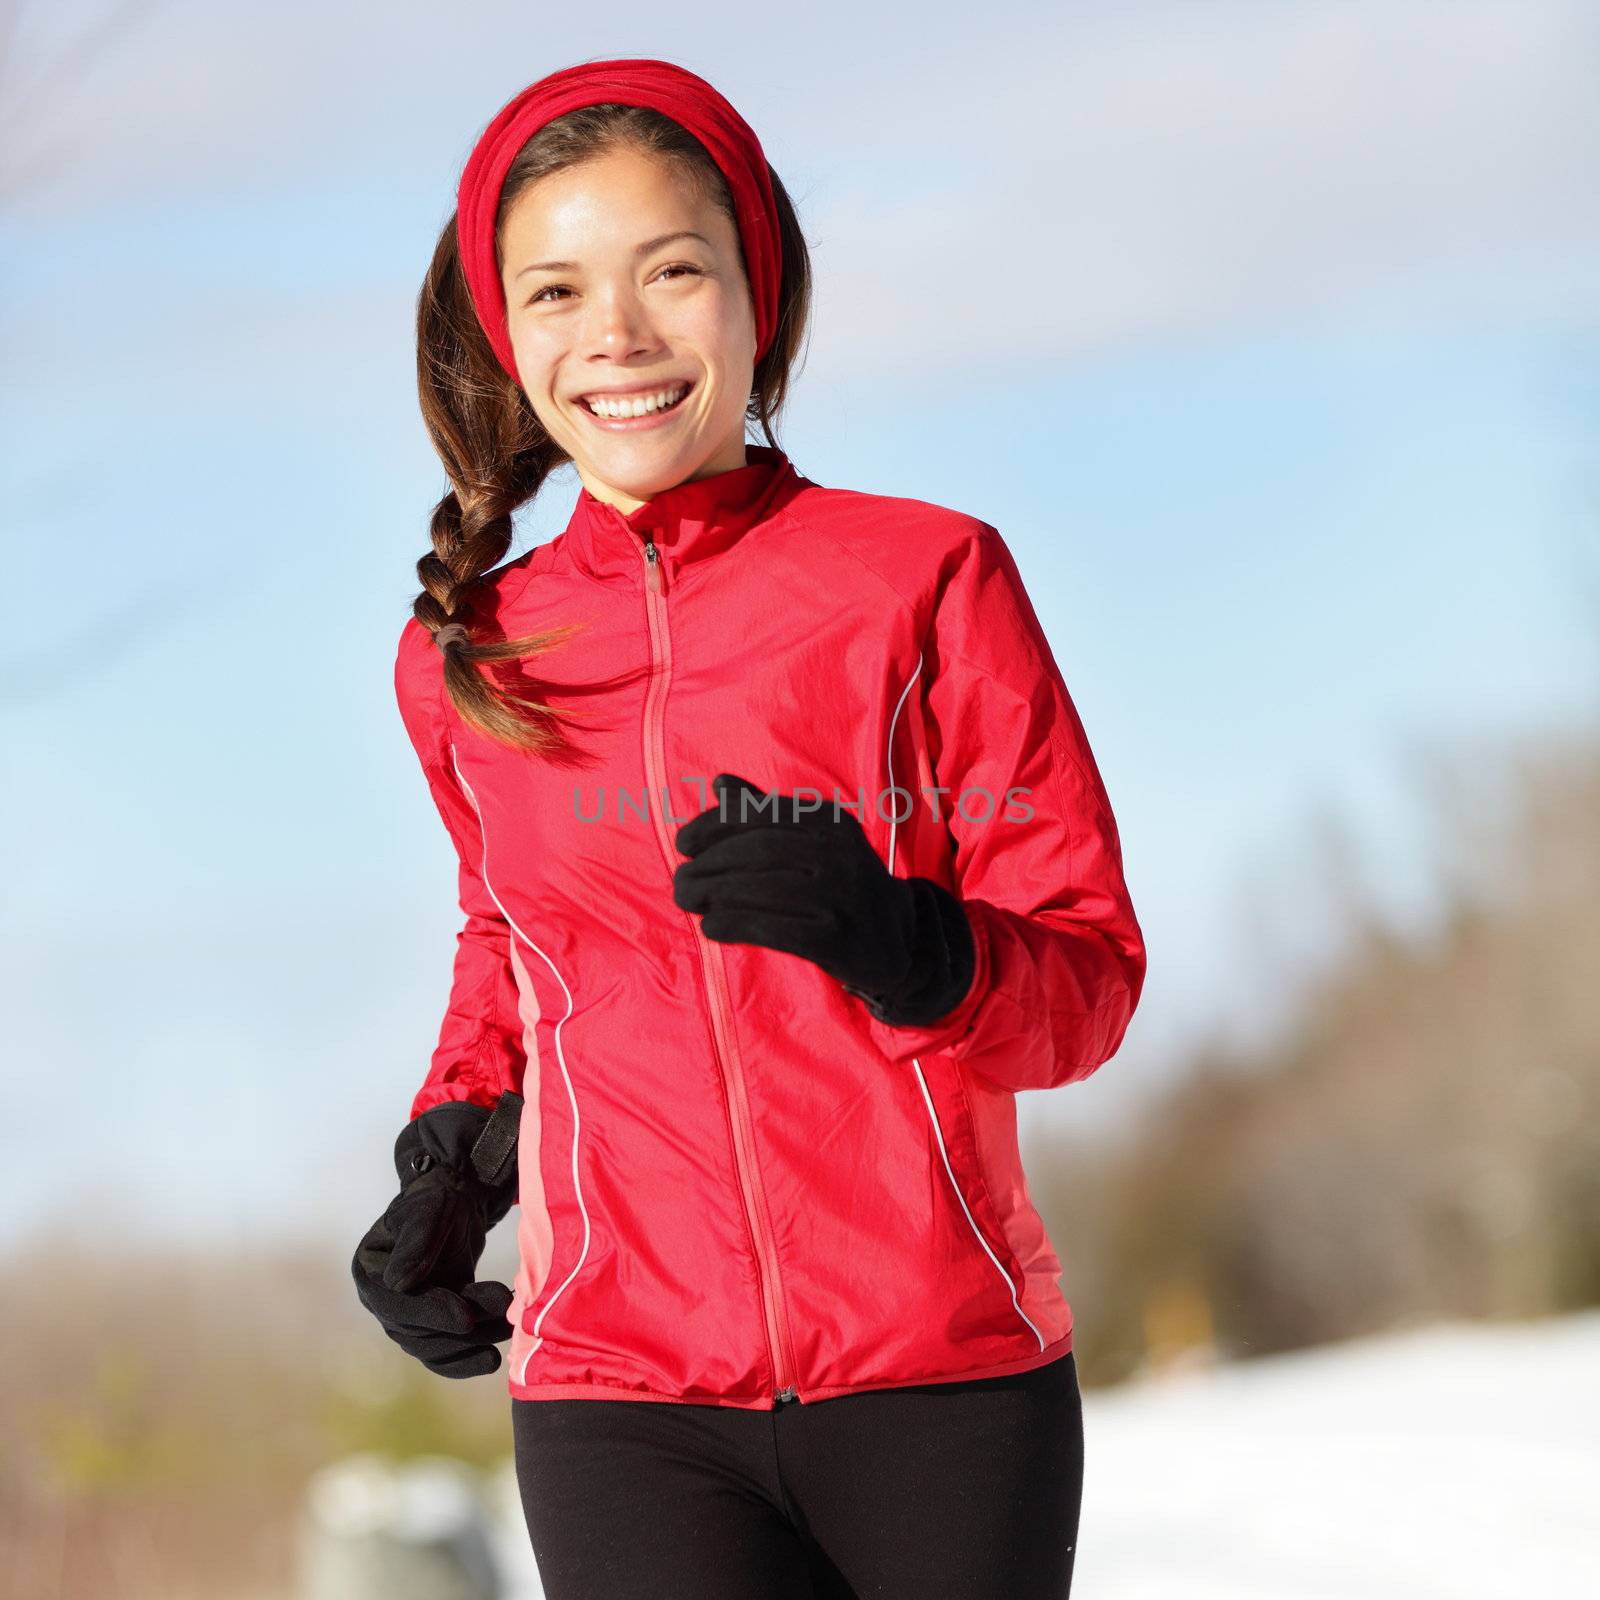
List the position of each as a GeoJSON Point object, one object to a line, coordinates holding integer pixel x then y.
{"type": "Point", "coordinates": [737, 1186]}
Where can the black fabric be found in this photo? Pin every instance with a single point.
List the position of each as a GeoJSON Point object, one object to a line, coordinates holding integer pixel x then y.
{"type": "Point", "coordinates": [494, 1153]}
{"type": "Point", "coordinates": [967, 1491]}
{"type": "Point", "coordinates": [764, 870]}
{"type": "Point", "coordinates": [416, 1266]}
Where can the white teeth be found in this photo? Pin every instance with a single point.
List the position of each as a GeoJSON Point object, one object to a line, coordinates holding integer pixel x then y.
{"type": "Point", "coordinates": [636, 405]}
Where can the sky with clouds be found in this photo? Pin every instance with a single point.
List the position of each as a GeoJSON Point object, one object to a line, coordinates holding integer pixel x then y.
{"type": "Point", "coordinates": [1265, 333]}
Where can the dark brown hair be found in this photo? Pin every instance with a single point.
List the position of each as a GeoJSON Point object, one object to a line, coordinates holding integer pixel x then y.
{"type": "Point", "coordinates": [496, 452]}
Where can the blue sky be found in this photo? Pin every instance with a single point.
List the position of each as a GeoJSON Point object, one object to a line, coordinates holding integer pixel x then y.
{"type": "Point", "coordinates": [1266, 335]}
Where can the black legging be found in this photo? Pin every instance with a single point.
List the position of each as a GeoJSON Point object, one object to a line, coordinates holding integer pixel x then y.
{"type": "Point", "coordinates": [967, 1490]}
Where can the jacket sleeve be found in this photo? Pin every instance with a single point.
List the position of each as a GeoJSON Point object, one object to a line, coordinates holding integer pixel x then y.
{"type": "Point", "coordinates": [1059, 956]}
{"type": "Point", "coordinates": [479, 1053]}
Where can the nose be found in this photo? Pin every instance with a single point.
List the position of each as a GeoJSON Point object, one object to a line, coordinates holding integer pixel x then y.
{"type": "Point", "coordinates": [618, 324]}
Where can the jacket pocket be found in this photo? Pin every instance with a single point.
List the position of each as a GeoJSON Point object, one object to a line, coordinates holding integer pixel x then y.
{"type": "Point", "coordinates": [555, 1231]}
{"type": "Point", "coordinates": [953, 1134]}
{"type": "Point", "coordinates": [992, 1113]}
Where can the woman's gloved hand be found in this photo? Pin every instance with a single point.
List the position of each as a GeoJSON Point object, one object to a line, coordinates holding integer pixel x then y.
{"type": "Point", "coordinates": [763, 871]}
{"type": "Point", "coordinates": [415, 1268]}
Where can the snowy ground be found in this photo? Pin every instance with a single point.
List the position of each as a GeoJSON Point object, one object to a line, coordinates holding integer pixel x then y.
{"type": "Point", "coordinates": [1458, 1462]}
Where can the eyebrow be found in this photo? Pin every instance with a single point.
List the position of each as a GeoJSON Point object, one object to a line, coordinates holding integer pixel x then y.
{"type": "Point", "coordinates": [638, 250]}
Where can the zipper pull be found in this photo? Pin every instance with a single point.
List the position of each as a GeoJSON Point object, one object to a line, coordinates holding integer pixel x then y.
{"type": "Point", "coordinates": [785, 1394]}
{"type": "Point", "coordinates": [652, 566]}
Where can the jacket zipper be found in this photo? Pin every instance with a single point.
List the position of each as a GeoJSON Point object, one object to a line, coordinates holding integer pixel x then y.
{"type": "Point", "coordinates": [779, 1350]}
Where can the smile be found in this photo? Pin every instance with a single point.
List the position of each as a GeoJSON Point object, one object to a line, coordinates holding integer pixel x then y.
{"type": "Point", "coordinates": [630, 412]}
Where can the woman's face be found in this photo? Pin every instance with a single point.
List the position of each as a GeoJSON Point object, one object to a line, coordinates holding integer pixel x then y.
{"type": "Point", "coordinates": [619, 278]}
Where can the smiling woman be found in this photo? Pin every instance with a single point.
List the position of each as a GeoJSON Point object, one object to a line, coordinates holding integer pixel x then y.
{"type": "Point", "coordinates": [785, 1320]}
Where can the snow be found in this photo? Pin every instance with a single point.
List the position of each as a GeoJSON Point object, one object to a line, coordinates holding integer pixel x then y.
{"type": "Point", "coordinates": [1460, 1460]}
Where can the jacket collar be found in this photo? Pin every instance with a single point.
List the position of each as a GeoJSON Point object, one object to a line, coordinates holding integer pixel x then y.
{"type": "Point", "coordinates": [687, 523]}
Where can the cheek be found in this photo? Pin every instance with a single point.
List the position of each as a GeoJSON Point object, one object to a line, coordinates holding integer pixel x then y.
{"type": "Point", "coordinates": [536, 358]}
{"type": "Point", "coordinates": [736, 311]}
{"type": "Point", "coordinates": [723, 325]}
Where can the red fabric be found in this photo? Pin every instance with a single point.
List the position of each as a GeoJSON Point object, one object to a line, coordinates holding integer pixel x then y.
{"type": "Point", "coordinates": [682, 95]}
{"type": "Point", "coordinates": [733, 1179]}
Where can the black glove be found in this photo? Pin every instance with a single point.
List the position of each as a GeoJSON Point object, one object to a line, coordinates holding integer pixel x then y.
{"type": "Point", "coordinates": [415, 1267]}
{"type": "Point", "coordinates": [809, 882]}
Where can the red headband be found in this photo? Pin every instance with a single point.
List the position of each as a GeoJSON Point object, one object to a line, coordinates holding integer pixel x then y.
{"type": "Point", "coordinates": [678, 93]}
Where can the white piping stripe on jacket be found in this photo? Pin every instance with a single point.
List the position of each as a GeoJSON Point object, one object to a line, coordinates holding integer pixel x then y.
{"type": "Point", "coordinates": [888, 761]}
{"type": "Point", "coordinates": [927, 1099]}
{"type": "Point", "coordinates": [572, 1099]}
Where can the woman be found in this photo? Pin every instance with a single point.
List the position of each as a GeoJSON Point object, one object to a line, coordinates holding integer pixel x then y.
{"type": "Point", "coordinates": [785, 866]}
